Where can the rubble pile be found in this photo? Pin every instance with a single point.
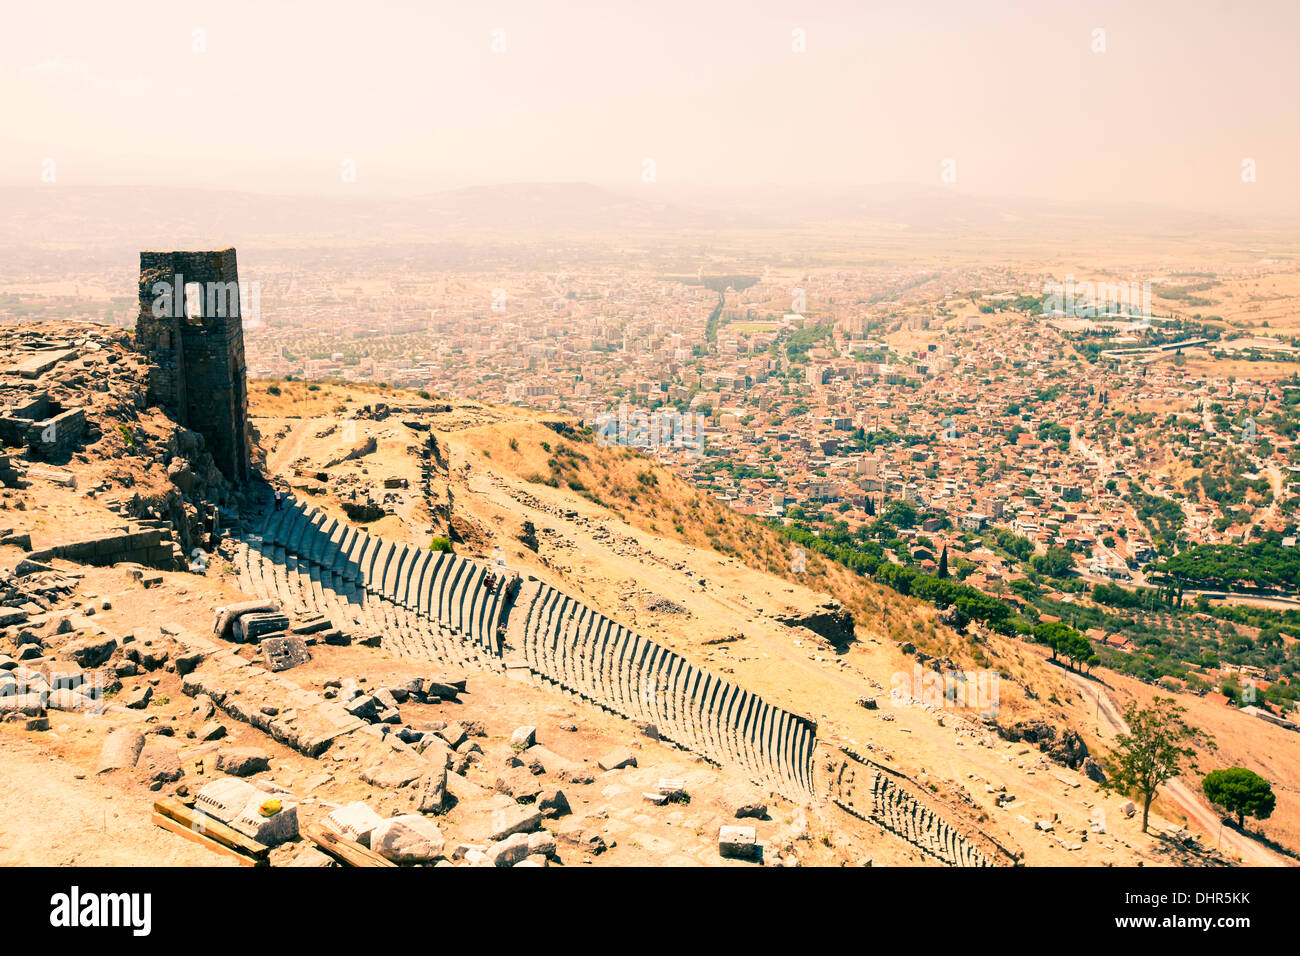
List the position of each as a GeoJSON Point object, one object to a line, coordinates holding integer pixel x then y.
{"type": "Point", "coordinates": [75, 412]}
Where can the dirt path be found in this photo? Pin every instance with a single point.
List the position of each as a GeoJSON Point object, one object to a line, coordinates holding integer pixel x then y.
{"type": "Point", "coordinates": [53, 819]}
{"type": "Point", "coordinates": [1110, 722]}
{"type": "Point", "coordinates": [288, 449]}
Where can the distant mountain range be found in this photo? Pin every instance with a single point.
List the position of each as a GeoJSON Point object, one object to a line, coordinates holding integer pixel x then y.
{"type": "Point", "coordinates": [173, 217]}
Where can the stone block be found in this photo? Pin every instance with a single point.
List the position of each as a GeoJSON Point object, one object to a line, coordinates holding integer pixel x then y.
{"type": "Point", "coordinates": [516, 819]}
{"type": "Point", "coordinates": [617, 759]}
{"type": "Point", "coordinates": [739, 843]}
{"type": "Point", "coordinates": [159, 763]}
{"type": "Point", "coordinates": [242, 761]}
{"type": "Point", "coordinates": [253, 812]}
{"type": "Point", "coordinates": [225, 617]}
{"type": "Point", "coordinates": [509, 851]}
{"type": "Point", "coordinates": [354, 821]}
{"type": "Point", "coordinates": [407, 839]}
{"type": "Point", "coordinates": [395, 771]}
{"type": "Point", "coordinates": [249, 628]}
{"type": "Point", "coordinates": [742, 803]}
{"type": "Point", "coordinates": [283, 653]}
{"type": "Point", "coordinates": [121, 749]}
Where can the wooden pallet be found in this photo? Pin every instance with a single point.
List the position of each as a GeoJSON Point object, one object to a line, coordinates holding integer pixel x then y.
{"type": "Point", "coordinates": [208, 832]}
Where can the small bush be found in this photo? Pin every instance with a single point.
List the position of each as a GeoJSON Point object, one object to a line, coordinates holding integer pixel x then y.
{"type": "Point", "coordinates": [440, 543]}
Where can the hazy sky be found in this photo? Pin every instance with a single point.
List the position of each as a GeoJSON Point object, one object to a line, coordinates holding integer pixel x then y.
{"type": "Point", "coordinates": [413, 94]}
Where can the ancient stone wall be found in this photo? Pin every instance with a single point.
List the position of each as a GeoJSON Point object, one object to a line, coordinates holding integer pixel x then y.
{"type": "Point", "coordinates": [48, 431]}
{"type": "Point", "coordinates": [152, 547]}
{"type": "Point", "coordinates": [195, 347]}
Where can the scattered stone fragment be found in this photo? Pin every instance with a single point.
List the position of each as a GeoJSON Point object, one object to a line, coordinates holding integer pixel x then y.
{"type": "Point", "coordinates": [509, 851]}
{"type": "Point", "coordinates": [617, 759]}
{"type": "Point", "coordinates": [309, 856]}
{"type": "Point", "coordinates": [433, 792]}
{"type": "Point", "coordinates": [552, 804]}
{"type": "Point", "coordinates": [363, 707]}
{"type": "Point", "coordinates": [159, 763]}
{"type": "Point", "coordinates": [584, 838]}
{"type": "Point", "coordinates": [91, 651]}
{"type": "Point", "coordinates": [394, 772]}
{"type": "Point", "coordinates": [672, 788]}
{"type": "Point", "coordinates": [740, 843]}
{"type": "Point", "coordinates": [741, 803]}
{"type": "Point", "coordinates": [242, 761]}
{"type": "Point", "coordinates": [354, 821]}
{"type": "Point", "coordinates": [212, 730]}
{"type": "Point", "coordinates": [407, 839]}
{"type": "Point", "coordinates": [454, 734]}
{"type": "Point", "coordinates": [185, 663]}
{"type": "Point", "coordinates": [519, 783]}
{"type": "Point", "coordinates": [139, 698]}
{"type": "Point", "coordinates": [516, 819]}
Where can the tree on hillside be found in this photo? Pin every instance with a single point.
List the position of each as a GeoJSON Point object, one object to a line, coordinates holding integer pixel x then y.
{"type": "Point", "coordinates": [1063, 640]}
{"type": "Point", "coordinates": [901, 514]}
{"type": "Point", "coordinates": [1240, 792]}
{"type": "Point", "coordinates": [943, 563]}
{"type": "Point", "coordinates": [1056, 563]}
{"type": "Point", "coordinates": [1153, 751]}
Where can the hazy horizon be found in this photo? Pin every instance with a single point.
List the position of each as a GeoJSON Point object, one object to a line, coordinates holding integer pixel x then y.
{"type": "Point", "coordinates": [415, 101]}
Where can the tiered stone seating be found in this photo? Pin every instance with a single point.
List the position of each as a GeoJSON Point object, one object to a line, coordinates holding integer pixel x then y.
{"type": "Point", "coordinates": [582, 651]}
{"type": "Point", "coordinates": [317, 564]}
{"type": "Point", "coordinates": [436, 606]}
{"type": "Point", "coordinates": [869, 792]}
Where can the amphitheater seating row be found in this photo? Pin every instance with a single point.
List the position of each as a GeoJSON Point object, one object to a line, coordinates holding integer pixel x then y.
{"type": "Point", "coordinates": [436, 606]}
{"type": "Point", "coordinates": [869, 793]}
{"type": "Point", "coordinates": [587, 653]}
{"type": "Point", "coordinates": [444, 588]}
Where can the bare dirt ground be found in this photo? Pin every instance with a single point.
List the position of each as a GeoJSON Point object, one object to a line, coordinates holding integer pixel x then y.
{"type": "Point", "coordinates": [63, 812]}
{"type": "Point", "coordinates": [58, 813]}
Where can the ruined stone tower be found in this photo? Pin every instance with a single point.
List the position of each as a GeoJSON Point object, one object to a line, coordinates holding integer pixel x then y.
{"type": "Point", "coordinates": [190, 329]}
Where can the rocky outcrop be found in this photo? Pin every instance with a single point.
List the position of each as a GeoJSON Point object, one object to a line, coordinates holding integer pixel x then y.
{"type": "Point", "coordinates": [829, 619]}
{"type": "Point", "coordinates": [362, 448]}
{"type": "Point", "coordinates": [1065, 747]}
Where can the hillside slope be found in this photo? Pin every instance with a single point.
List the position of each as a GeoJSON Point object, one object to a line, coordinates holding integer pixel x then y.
{"type": "Point", "coordinates": [630, 539]}
{"type": "Point", "coordinates": [542, 505]}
